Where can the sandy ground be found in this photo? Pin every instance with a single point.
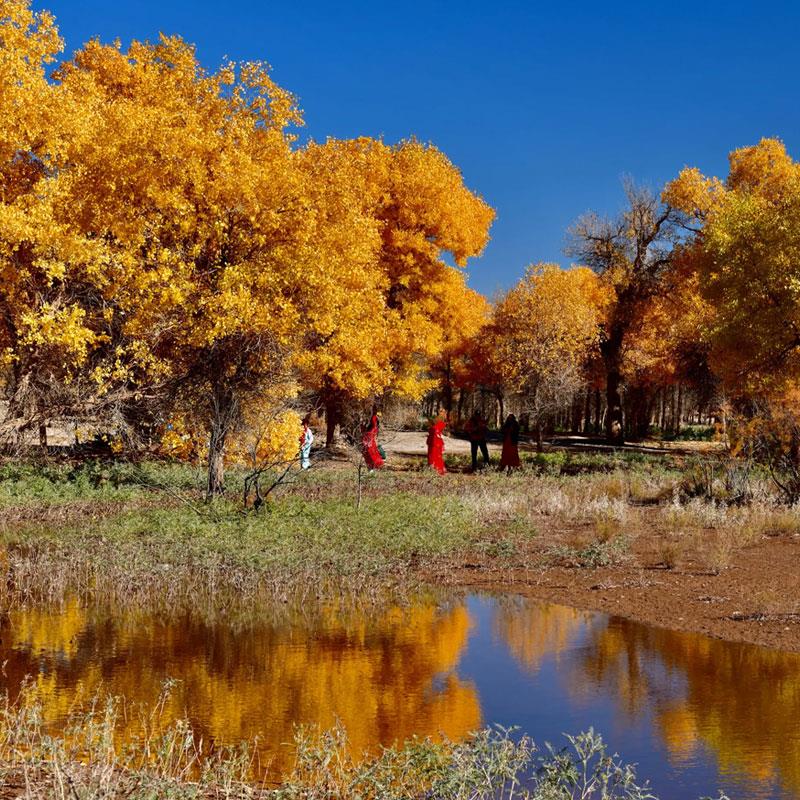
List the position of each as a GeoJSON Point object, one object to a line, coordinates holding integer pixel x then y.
{"type": "Point", "coordinates": [412, 443]}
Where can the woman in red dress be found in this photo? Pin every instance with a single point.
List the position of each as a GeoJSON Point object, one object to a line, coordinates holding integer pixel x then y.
{"type": "Point", "coordinates": [509, 458]}
{"type": "Point", "coordinates": [369, 443]}
{"type": "Point", "coordinates": [436, 445]}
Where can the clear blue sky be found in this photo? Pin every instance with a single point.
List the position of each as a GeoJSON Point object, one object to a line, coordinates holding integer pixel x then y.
{"type": "Point", "coordinates": [543, 105]}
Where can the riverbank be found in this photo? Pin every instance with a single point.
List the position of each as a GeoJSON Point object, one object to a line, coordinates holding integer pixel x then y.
{"type": "Point", "coordinates": [626, 533]}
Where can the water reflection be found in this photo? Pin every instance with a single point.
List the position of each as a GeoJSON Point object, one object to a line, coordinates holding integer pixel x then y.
{"type": "Point", "coordinates": [743, 702]}
{"type": "Point", "coordinates": [385, 677]}
{"type": "Point", "coordinates": [697, 713]}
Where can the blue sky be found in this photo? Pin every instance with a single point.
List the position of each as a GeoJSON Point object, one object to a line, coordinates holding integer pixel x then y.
{"type": "Point", "coordinates": [543, 105]}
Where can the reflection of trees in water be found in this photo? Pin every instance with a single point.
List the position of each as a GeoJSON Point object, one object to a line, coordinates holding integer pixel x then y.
{"type": "Point", "coordinates": [376, 676]}
{"type": "Point", "coordinates": [741, 701]}
{"type": "Point", "coordinates": [533, 631]}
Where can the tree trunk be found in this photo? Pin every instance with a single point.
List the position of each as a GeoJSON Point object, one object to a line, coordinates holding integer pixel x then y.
{"type": "Point", "coordinates": [447, 389]}
{"type": "Point", "coordinates": [539, 443]}
{"type": "Point", "coordinates": [216, 468]}
{"type": "Point", "coordinates": [587, 411]}
{"type": "Point", "coordinates": [502, 407]}
{"type": "Point", "coordinates": [597, 411]}
{"type": "Point", "coordinates": [615, 431]}
{"type": "Point", "coordinates": [577, 414]}
{"type": "Point", "coordinates": [611, 350]}
{"type": "Point", "coordinates": [223, 414]}
{"type": "Point", "coordinates": [43, 435]}
{"type": "Point", "coordinates": [333, 410]}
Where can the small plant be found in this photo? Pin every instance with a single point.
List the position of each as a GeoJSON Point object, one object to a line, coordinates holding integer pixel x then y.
{"type": "Point", "coordinates": [668, 552]}
{"type": "Point", "coordinates": [719, 551]}
{"type": "Point", "coordinates": [591, 555]}
{"type": "Point", "coordinates": [606, 527]}
{"type": "Point", "coordinates": [780, 523]}
{"type": "Point", "coordinates": [497, 548]}
{"type": "Point", "coordinates": [698, 479]}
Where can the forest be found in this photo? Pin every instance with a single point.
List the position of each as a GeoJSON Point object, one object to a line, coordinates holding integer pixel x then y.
{"type": "Point", "coordinates": [191, 291]}
{"type": "Point", "coordinates": [183, 277]}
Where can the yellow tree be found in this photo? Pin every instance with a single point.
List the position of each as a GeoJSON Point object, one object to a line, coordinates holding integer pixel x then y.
{"type": "Point", "coordinates": [544, 331]}
{"type": "Point", "coordinates": [464, 315]}
{"type": "Point", "coordinates": [204, 201]}
{"type": "Point", "coordinates": [386, 313]}
{"type": "Point", "coordinates": [169, 244]}
{"type": "Point", "coordinates": [32, 125]}
{"type": "Point", "coordinates": [666, 352]}
{"type": "Point", "coordinates": [746, 253]}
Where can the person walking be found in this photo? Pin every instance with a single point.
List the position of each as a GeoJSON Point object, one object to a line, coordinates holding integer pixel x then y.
{"type": "Point", "coordinates": [509, 458]}
{"type": "Point", "coordinates": [369, 442]}
{"type": "Point", "coordinates": [477, 430]}
{"type": "Point", "coordinates": [436, 445]}
{"type": "Point", "coordinates": [306, 440]}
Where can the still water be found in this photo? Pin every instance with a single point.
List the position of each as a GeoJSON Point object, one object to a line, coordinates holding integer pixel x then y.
{"type": "Point", "coordinates": [696, 714]}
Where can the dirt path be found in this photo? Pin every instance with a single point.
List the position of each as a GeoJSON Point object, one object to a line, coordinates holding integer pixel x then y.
{"type": "Point", "coordinates": [413, 444]}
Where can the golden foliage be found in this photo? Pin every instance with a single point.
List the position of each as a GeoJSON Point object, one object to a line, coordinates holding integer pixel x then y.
{"type": "Point", "coordinates": [547, 325]}
{"type": "Point", "coordinates": [746, 255]}
{"type": "Point", "coordinates": [159, 227]}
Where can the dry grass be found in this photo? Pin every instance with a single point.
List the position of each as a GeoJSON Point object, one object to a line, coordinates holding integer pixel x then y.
{"type": "Point", "coordinates": [95, 758]}
{"type": "Point", "coordinates": [114, 533]}
{"type": "Point", "coordinates": [669, 553]}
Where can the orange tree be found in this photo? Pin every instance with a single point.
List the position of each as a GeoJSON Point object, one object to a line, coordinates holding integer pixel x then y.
{"type": "Point", "coordinates": [632, 254]}
{"type": "Point", "coordinates": [746, 254]}
{"type": "Point", "coordinates": [544, 330]}
{"type": "Point", "coordinates": [396, 306]}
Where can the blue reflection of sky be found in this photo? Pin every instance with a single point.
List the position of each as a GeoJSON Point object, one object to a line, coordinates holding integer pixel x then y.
{"type": "Point", "coordinates": [559, 698]}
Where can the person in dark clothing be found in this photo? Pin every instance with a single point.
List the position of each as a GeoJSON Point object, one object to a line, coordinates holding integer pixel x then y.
{"type": "Point", "coordinates": [477, 429]}
{"type": "Point", "coordinates": [509, 459]}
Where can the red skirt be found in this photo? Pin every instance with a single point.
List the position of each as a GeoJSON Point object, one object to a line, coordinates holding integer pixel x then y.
{"type": "Point", "coordinates": [436, 454]}
{"type": "Point", "coordinates": [510, 455]}
{"type": "Point", "coordinates": [369, 446]}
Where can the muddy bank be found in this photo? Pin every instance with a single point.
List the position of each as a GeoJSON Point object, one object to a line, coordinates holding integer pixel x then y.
{"type": "Point", "coordinates": [756, 599]}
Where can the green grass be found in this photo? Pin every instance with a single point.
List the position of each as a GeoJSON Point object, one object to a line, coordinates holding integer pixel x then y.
{"type": "Point", "coordinates": [141, 532]}
{"type": "Point", "coordinates": [25, 484]}
{"type": "Point", "coordinates": [177, 553]}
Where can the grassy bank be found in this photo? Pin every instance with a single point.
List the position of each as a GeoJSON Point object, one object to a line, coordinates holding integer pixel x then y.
{"type": "Point", "coordinates": [90, 761]}
{"type": "Point", "coordinates": [141, 533]}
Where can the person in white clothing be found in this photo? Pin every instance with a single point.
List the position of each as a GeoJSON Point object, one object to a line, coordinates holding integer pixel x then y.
{"type": "Point", "coordinates": [306, 440]}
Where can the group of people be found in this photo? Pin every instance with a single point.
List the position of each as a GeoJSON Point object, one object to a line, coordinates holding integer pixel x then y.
{"type": "Point", "coordinates": [477, 431]}
{"type": "Point", "coordinates": [476, 428]}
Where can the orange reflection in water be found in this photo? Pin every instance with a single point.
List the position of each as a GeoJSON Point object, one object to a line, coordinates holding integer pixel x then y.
{"type": "Point", "coordinates": [535, 631]}
{"type": "Point", "coordinates": [385, 677]}
{"type": "Point", "coordinates": [740, 701]}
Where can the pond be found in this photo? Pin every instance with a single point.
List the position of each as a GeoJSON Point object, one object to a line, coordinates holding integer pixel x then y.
{"type": "Point", "coordinates": [694, 713]}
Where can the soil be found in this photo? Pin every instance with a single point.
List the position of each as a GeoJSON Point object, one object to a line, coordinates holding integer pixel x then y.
{"type": "Point", "coordinates": [755, 598]}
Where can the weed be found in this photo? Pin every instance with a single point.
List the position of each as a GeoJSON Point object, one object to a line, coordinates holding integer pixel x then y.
{"type": "Point", "coordinates": [668, 552]}
{"type": "Point", "coordinates": [89, 760]}
{"type": "Point", "coordinates": [592, 554]}
{"type": "Point", "coordinates": [607, 525]}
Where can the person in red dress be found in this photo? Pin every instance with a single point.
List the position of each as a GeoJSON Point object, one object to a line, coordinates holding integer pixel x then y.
{"type": "Point", "coordinates": [436, 445]}
{"type": "Point", "coordinates": [509, 458]}
{"type": "Point", "coordinates": [369, 442]}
